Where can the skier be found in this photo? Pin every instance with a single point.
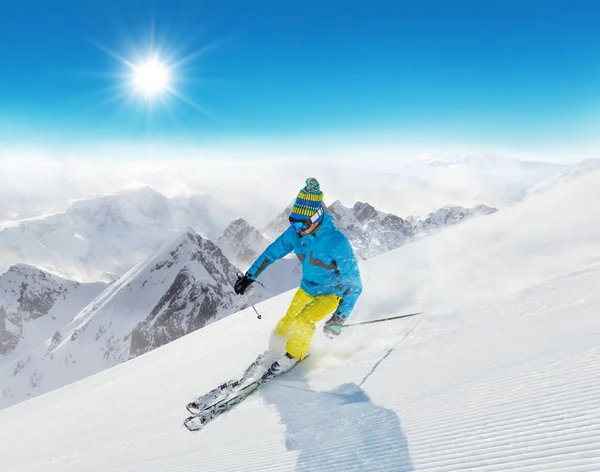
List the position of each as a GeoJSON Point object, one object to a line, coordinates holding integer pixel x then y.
{"type": "Point", "coordinates": [330, 283]}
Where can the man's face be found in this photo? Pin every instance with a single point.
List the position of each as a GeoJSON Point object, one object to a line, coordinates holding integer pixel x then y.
{"type": "Point", "coordinates": [312, 228]}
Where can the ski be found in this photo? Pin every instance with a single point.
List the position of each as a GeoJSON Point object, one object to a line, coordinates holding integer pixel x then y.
{"type": "Point", "coordinates": [226, 389]}
{"type": "Point", "coordinates": [198, 420]}
{"type": "Point", "coordinates": [220, 393]}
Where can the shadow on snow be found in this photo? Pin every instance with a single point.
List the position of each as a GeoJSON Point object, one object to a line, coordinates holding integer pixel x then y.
{"type": "Point", "coordinates": [338, 430]}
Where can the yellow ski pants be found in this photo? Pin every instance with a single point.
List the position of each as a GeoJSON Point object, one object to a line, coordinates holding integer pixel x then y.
{"type": "Point", "coordinates": [297, 327]}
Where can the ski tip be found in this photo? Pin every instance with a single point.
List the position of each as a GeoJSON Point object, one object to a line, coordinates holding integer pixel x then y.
{"type": "Point", "coordinates": [193, 408]}
{"type": "Point", "coordinates": [193, 423]}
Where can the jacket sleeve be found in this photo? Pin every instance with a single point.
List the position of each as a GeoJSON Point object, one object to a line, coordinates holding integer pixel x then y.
{"type": "Point", "coordinates": [279, 248]}
{"type": "Point", "coordinates": [349, 277]}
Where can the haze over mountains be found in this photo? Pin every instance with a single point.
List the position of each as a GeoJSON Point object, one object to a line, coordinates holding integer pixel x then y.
{"type": "Point", "coordinates": [403, 187]}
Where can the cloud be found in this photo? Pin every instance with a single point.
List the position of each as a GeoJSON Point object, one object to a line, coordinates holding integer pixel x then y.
{"type": "Point", "coordinates": [260, 181]}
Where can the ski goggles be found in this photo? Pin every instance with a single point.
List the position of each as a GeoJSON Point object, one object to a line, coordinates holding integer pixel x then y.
{"type": "Point", "coordinates": [303, 225]}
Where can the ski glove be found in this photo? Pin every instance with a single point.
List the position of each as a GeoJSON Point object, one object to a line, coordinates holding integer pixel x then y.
{"type": "Point", "coordinates": [333, 326]}
{"type": "Point", "coordinates": [243, 282]}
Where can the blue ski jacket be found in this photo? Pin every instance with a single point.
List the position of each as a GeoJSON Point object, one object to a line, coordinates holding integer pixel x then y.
{"type": "Point", "coordinates": [328, 263]}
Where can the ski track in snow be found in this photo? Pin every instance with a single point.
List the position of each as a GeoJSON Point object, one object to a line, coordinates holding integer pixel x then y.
{"type": "Point", "coordinates": [535, 406]}
{"type": "Point", "coordinates": [502, 383]}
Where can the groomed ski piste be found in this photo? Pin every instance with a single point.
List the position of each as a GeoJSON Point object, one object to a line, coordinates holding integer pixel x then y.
{"type": "Point", "coordinates": [501, 373]}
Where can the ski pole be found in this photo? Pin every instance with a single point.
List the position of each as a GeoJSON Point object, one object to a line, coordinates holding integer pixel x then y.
{"type": "Point", "coordinates": [258, 315]}
{"type": "Point", "coordinates": [408, 315]}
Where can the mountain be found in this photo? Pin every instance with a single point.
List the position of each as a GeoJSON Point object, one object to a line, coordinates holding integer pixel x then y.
{"type": "Point", "coordinates": [370, 232]}
{"type": "Point", "coordinates": [242, 243]}
{"type": "Point", "coordinates": [499, 374]}
{"type": "Point", "coordinates": [184, 286]}
{"type": "Point", "coordinates": [279, 224]}
{"type": "Point", "coordinates": [572, 173]}
{"type": "Point", "coordinates": [35, 303]}
{"type": "Point", "coordinates": [451, 215]}
{"type": "Point", "coordinates": [101, 238]}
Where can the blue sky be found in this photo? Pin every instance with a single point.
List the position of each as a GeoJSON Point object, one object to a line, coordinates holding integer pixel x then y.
{"type": "Point", "coordinates": [490, 73]}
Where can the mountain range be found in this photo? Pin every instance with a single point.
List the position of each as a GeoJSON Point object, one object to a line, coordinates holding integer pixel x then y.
{"type": "Point", "coordinates": [54, 330]}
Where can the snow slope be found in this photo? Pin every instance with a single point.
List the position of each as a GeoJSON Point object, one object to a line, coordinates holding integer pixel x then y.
{"type": "Point", "coordinates": [501, 374]}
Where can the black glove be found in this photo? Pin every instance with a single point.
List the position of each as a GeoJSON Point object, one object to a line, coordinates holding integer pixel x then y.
{"type": "Point", "coordinates": [243, 282]}
{"type": "Point", "coordinates": [333, 326]}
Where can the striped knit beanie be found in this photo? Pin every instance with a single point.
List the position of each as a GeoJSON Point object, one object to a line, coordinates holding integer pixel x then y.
{"type": "Point", "coordinates": [308, 201]}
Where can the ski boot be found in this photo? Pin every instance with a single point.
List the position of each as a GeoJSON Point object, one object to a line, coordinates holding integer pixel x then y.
{"type": "Point", "coordinates": [281, 365]}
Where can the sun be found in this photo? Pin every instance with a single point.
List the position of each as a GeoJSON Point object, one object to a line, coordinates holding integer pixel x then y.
{"type": "Point", "coordinates": [156, 74]}
{"type": "Point", "coordinates": [152, 77]}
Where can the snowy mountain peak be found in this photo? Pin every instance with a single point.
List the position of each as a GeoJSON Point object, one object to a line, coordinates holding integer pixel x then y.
{"type": "Point", "coordinates": [340, 212]}
{"type": "Point", "coordinates": [187, 240]}
{"type": "Point", "coordinates": [27, 294]}
{"type": "Point", "coordinates": [123, 210]}
{"type": "Point", "coordinates": [184, 285]}
{"type": "Point", "coordinates": [28, 270]}
{"type": "Point", "coordinates": [370, 231]}
{"type": "Point", "coordinates": [106, 235]}
{"type": "Point", "coordinates": [239, 227]}
{"type": "Point", "coordinates": [365, 212]}
{"type": "Point", "coordinates": [39, 273]}
{"type": "Point", "coordinates": [450, 215]}
{"type": "Point", "coordinates": [242, 243]}
{"type": "Point", "coordinates": [32, 291]}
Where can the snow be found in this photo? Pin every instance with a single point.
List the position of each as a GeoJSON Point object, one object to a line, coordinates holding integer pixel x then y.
{"type": "Point", "coordinates": [581, 169]}
{"type": "Point", "coordinates": [500, 374]}
{"type": "Point", "coordinates": [183, 286]}
{"type": "Point", "coordinates": [36, 304]}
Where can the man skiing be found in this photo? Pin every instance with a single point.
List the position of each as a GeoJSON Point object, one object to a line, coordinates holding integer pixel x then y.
{"type": "Point", "coordinates": [330, 284]}
{"type": "Point", "coordinates": [330, 277]}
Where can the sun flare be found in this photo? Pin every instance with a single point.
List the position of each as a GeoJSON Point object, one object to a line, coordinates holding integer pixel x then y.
{"type": "Point", "coordinates": [155, 77]}
{"type": "Point", "coordinates": [152, 77]}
